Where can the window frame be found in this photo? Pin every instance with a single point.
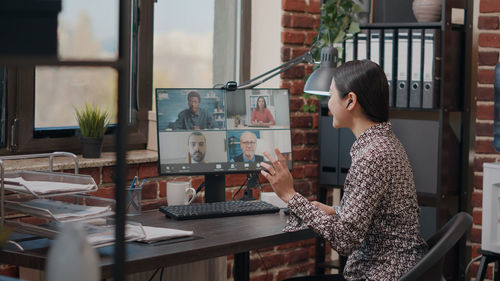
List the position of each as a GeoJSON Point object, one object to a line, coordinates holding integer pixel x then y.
{"type": "Point", "coordinates": [21, 94]}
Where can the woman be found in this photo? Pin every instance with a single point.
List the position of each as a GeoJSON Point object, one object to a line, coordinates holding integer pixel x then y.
{"type": "Point", "coordinates": [261, 116]}
{"type": "Point", "coordinates": [376, 224]}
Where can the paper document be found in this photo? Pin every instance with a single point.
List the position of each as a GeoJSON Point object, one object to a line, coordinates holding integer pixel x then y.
{"type": "Point", "coordinates": [104, 235]}
{"type": "Point", "coordinates": [57, 210]}
{"type": "Point", "coordinates": [154, 234]}
{"type": "Point", "coordinates": [44, 187]}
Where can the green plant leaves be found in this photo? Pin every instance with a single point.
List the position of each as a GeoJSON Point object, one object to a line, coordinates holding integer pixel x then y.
{"type": "Point", "coordinates": [92, 120]}
{"type": "Point", "coordinates": [354, 28]}
{"type": "Point", "coordinates": [337, 22]}
{"type": "Point", "coordinates": [309, 104]}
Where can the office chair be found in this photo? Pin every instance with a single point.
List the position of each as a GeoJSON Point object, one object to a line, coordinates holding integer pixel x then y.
{"type": "Point", "coordinates": [430, 267]}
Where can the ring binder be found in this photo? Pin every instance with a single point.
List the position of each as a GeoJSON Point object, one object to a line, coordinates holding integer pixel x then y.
{"type": "Point", "coordinates": [416, 69]}
{"type": "Point", "coordinates": [402, 69]}
{"type": "Point", "coordinates": [388, 61]}
{"type": "Point", "coordinates": [430, 92]}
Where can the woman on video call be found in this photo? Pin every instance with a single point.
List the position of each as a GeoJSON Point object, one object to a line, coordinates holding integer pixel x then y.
{"type": "Point", "coordinates": [376, 224]}
{"type": "Point", "coordinates": [261, 116]}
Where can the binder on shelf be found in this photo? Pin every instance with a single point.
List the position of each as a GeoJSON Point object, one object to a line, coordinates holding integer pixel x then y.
{"type": "Point", "coordinates": [402, 70]}
{"type": "Point", "coordinates": [416, 69]}
{"type": "Point", "coordinates": [430, 89]}
{"type": "Point", "coordinates": [388, 55]}
{"type": "Point", "coordinates": [362, 45]}
{"type": "Point", "coordinates": [375, 46]}
{"type": "Point", "coordinates": [349, 49]}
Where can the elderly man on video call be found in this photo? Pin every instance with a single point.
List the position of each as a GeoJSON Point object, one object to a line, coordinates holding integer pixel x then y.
{"type": "Point", "coordinates": [248, 143]}
{"type": "Point", "coordinates": [197, 147]}
{"type": "Point", "coordinates": [194, 117]}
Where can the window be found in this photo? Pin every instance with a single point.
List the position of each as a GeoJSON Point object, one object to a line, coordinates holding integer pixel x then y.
{"type": "Point", "coordinates": [42, 99]}
{"type": "Point", "coordinates": [196, 42]}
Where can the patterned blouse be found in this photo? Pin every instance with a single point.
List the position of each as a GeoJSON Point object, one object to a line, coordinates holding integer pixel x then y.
{"type": "Point", "coordinates": [377, 222]}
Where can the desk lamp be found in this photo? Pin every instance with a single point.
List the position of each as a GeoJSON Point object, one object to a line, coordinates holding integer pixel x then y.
{"type": "Point", "coordinates": [318, 82]}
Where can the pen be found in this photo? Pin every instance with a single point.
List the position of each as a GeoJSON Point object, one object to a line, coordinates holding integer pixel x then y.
{"type": "Point", "coordinates": [140, 185]}
{"type": "Point", "coordinates": [132, 185]}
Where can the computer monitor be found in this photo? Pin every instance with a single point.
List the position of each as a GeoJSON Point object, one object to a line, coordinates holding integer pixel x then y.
{"type": "Point", "coordinates": [213, 132]}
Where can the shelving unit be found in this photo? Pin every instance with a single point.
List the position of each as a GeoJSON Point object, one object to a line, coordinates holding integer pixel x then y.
{"type": "Point", "coordinates": [38, 192]}
{"type": "Point", "coordinates": [436, 139]}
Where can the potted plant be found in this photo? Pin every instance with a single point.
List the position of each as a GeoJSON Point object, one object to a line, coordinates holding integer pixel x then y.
{"type": "Point", "coordinates": [93, 123]}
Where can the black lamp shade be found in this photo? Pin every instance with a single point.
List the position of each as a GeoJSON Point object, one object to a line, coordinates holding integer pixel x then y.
{"type": "Point", "coordinates": [320, 80]}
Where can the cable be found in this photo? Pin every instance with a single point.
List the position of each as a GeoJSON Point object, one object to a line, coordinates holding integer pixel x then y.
{"type": "Point", "coordinates": [239, 189]}
{"type": "Point", "coordinates": [154, 273]}
{"type": "Point", "coordinates": [200, 187]}
{"type": "Point", "coordinates": [258, 181]}
{"type": "Point", "coordinates": [161, 273]}
{"type": "Point", "coordinates": [473, 260]}
{"type": "Point", "coordinates": [263, 263]}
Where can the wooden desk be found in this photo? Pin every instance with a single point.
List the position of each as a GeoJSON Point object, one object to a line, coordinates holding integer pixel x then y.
{"type": "Point", "coordinates": [214, 238]}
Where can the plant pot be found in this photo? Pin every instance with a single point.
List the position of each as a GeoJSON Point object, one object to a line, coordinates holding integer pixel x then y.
{"type": "Point", "coordinates": [427, 10]}
{"type": "Point", "coordinates": [91, 147]}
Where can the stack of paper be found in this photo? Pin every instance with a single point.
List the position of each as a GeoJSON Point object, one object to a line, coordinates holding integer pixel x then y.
{"type": "Point", "coordinates": [57, 210]}
{"type": "Point", "coordinates": [100, 236]}
{"type": "Point", "coordinates": [104, 235]}
{"type": "Point", "coordinates": [19, 184]}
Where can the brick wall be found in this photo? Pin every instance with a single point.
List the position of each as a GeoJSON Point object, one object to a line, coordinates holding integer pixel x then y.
{"type": "Point", "coordinates": [488, 28]}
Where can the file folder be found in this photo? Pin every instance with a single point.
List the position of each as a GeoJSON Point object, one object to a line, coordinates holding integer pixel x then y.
{"type": "Point", "coordinates": [416, 69]}
{"type": "Point", "coordinates": [375, 46]}
{"type": "Point", "coordinates": [388, 62]}
{"type": "Point", "coordinates": [362, 48]}
{"type": "Point", "coordinates": [349, 49]}
{"type": "Point", "coordinates": [402, 70]}
{"type": "Point", "coordinates": [430, 89]}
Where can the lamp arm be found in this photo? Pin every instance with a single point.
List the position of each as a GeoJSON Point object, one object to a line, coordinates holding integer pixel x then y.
{"type": "Point", "coordinates": [307, 56]}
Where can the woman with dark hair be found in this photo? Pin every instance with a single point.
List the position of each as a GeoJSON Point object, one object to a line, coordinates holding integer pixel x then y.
{"type": "Point", "coordinates": [261, 116]}
{"type": "Point", "coordinates": [376, 224]}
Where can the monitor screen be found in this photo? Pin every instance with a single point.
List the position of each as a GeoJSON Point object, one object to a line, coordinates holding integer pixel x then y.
{"type": "Point", "coordinates": [204, 131]}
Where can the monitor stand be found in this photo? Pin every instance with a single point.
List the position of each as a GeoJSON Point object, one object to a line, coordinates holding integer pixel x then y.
{"type": "Point", "coordinates": [252, 182]}
{"type": "Point", "coordinates": [215, 188]}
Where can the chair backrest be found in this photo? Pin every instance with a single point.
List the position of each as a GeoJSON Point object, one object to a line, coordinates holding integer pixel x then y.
{"type": "Point", "coordinates": [430, 267]}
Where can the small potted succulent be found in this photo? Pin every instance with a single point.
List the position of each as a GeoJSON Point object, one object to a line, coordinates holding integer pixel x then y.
{"type": "Point", "coordinates": [93, 123]}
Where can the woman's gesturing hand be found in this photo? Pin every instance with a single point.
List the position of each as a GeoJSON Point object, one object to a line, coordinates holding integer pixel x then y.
{"type": "Point", "coordinates": [278, 175]}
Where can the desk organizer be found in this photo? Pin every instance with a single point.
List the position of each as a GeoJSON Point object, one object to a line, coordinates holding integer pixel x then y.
{"type": "Point", "coordinates": [38, 192]}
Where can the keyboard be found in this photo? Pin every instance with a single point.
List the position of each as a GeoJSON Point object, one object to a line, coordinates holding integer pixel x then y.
{"type": "Point", "coordinates": [218, 209]}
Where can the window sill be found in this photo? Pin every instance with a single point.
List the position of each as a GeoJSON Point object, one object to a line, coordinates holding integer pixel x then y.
{"type": "Point", "coordinates": [66, 163]}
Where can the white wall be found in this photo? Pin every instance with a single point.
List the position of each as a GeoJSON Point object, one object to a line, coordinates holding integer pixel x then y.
{"type": "Point", "coordinates": [266, 39]}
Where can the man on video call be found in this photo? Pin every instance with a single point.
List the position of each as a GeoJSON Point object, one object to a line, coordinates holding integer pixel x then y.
{"type": "Point", "coordinates": [197, 147]}
{"type": "Point", "coordinates": [194, 118]}
{"type": "Point", "coordinates": [248, 143]}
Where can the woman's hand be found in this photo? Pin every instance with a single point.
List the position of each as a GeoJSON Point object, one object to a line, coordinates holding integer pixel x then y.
{"type": "Point", "coordinates": [278, 176]}
{"type": "Point", "coordinates": [329, 210]}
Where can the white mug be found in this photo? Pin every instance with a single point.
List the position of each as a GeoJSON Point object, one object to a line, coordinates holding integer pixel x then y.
{"type": "Point", "coordinates": [178, 193]}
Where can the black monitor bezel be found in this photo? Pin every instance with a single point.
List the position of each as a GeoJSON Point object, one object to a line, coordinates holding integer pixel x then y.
{"type": "Point", "coordinates": [194, 173]}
